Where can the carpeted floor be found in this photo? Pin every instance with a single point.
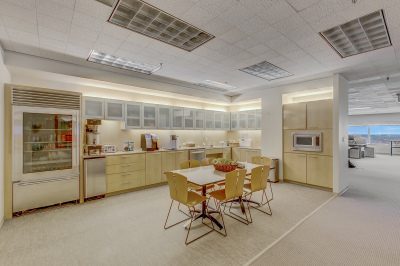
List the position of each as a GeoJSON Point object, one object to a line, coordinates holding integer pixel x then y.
{"type": "Point", "coordinates": [362, 227]}
{"type": "Point", "coordinates": [128, 230]}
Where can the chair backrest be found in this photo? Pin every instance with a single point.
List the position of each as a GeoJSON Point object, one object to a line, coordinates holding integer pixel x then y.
{"type": "Point", "coordinates": [205, 162]}
{"type": "Point", "coordinates": [194, 163]}
{"type": "Point", "coordinates": [234, 182]}
{"type": "Point", "coordinates": [256, 159]}
{"type": "Point", "coordinates": [185, 165]}
{"type": "Point", "coordinates": [259, 176]}
{"type": "Point", "coordinates": [178, 187]}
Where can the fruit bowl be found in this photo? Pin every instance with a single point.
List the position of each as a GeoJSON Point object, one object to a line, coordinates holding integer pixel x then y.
{"type": "Point", "coordinates": [224, 165]}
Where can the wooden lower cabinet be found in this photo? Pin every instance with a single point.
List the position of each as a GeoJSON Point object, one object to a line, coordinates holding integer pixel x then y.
{"type": "Point", "coordinates": [244, 154]}
{"type": "Point", "coordinates": [295, 167]}
{"type": "Point", "coordinates": [251, 153]}
{"type": "Point", "coordinates": [153, 168]}
{"type": "Point", "coordinates": [125, 172]}
{"type": "Point", "coordinates": [320, 170]}
{"type": "Point", "coordinates": [168, 163]}
{"type": "Point", "coordinates": [180, 156]}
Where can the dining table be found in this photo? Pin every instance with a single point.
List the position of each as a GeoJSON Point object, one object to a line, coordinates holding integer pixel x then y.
{"type": "Point", "coordinates": [205, 176]}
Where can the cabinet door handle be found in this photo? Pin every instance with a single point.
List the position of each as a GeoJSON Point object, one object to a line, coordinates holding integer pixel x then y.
{"type": "Point", "coordinates": [124, 175]}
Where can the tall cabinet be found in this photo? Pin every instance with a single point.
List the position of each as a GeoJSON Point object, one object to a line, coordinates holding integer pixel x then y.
{"type": "Point", "coordinates": [313, 168]}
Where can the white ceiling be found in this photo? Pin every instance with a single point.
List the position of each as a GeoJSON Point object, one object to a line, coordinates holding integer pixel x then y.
{"type": "Point", "coordinates": [283, 32]}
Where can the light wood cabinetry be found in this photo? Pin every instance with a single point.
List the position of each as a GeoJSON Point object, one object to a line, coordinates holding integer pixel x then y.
{"type": "Point", "coordinates": [227, 153]}
{"type": "Point", "coordinates": [295, 167]}
{"type": "Point", "coordinates": [319, 170]}
{"type": "Point", "coordinates": [153, 168]}
{"type": "Point", "coordinates": [295, 116]}
{"type": "Point", "coordinates": [125, 172]}
{"type": "Point", "coordinates": [319, 114]}
{"type": "Point", "coordinates": [168, 163]}
{"type": "Point", "coordinates": [180, 156]}
{"type": "Point", "coordinates": [244, 154]}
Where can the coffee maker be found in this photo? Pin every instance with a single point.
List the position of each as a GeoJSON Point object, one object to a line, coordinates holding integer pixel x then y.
{"type": "Point", "coordinates": [149, 142]}
{"type": "Point", "coordinates": [174, 142]}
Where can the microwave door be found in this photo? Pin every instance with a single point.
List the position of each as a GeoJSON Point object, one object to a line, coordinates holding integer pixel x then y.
{"type": "Point", "coordinates": [45, 143]}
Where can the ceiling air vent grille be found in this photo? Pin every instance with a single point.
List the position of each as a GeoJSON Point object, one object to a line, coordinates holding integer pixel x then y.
{"type": "Point", "coordinates": [360, 35]}
{"type": "Point", "coordinates": [148, 20]}
{"type": "Point", "coordinates": [266, 70]}
{"type": "Point", "coordinates": [46, 98]}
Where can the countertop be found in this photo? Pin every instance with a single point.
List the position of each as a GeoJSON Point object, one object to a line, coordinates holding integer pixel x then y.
{"type": "Point", "coordinates": [160, 150]}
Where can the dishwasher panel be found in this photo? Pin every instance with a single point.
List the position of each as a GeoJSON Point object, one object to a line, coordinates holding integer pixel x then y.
{"type": "Point", "coordinates": [95, 176]}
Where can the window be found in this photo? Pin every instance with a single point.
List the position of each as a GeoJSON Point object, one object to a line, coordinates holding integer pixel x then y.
{"type": "Point", "coordinates": [375, 134]}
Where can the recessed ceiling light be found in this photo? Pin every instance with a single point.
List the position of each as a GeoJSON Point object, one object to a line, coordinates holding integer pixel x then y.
{"type": "Point", "coordinates": [119, 62]}
{"type": "Point", "coordinates": [360, 35]}
{"type": "Point", "coordinates": [266, 71]}
{"type": "Point", "coordinates": [215, 85]}
{"type": "Point", "coordinates": [148, 20]}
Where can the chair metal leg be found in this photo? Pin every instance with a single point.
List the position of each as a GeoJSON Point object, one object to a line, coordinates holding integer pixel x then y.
{"type": "Point", "coordinates": [218, 206]}
{"type": "Point", "coordinates": [166, 220]}
{"type": "Point", "coordinates": [263, 204]}
{"type": "Point", "coordinates": [234, 215]}
{"type": "Point", "coordinates": [190, 226]}
{"type": "Point", "coordinates": [270, 188]}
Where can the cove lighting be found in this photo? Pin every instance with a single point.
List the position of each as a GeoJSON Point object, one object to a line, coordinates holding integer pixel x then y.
{"type": "Point", "coordinates": [359, 35]}
{"type": "Point", "coordinates": [215, 85]}
{"type": "Point", "coordinates": [143, 18]}
{"type": "Point", "coordinates": [266, 70]}
{"type": "Point", "coordinates": [119, 62]}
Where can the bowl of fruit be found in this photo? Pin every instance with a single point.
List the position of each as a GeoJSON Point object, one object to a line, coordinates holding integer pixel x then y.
{"type": "Point", "coordinates": [224, 165]}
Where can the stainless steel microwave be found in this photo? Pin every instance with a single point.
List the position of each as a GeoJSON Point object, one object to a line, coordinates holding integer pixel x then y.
{"type": "Point", "coordinates": [307, 141]}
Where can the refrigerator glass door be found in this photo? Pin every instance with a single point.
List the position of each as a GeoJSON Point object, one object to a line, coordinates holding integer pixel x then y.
{"type": "Point", "coordinates": [46, 143]}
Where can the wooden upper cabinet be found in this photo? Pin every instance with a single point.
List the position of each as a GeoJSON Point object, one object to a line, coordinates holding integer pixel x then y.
{"type": "Point", "coordinates": [295, 116]}
{"type": "Point", "coordinates": [319, 114]}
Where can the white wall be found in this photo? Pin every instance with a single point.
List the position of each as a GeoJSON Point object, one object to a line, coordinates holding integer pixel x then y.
{"type": "Point", "coordinates": [4, 78]}
{"type": "Point", "coordinates": [340, 138]}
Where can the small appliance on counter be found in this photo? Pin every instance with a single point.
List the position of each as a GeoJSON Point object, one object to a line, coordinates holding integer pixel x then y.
{"type": "Point", "coordinates": [149, 142]}
{"type": "Point", "coordinates": [93, 149]}
{"type": "Point", "coordinates": [129, 145]}
{"type": "Point", "coordinates": [174, 142]}
{"type": "Point", "coordinates": [244, 142]}
{"type": "Point", "coordinates": [107, 148]}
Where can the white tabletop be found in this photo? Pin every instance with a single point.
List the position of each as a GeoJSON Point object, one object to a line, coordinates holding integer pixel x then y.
{"type": "Point", "coordinates": [206, 175]}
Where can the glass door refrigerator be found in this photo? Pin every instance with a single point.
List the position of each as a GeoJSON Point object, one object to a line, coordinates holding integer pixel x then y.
{"type": "Point", "coordinates": [46, 156]}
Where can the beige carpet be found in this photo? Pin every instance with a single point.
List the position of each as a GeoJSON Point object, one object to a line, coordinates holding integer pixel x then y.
{"type": "Point", "coordinates": [360, 228]}
{"type": "Point", "coordinates": [128, 230]}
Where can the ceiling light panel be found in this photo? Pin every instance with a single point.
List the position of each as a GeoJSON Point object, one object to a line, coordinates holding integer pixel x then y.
{"type": "Point", "coordinates": [266, 71]}
{"type": "Point", "coordinates": [217, 86]}
{"type": "Point", "coordinates": [360, 35]}
{"type": "Point", "coordinates": [119, 62]}
{"type": "Point", "coordinates": [107, 2]}
{"type": "Point", "coordinates": [148, 20]}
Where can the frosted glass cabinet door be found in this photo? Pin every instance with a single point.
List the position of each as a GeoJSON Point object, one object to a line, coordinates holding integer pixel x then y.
{"type": "Point", "coordinates": [149, 116]}
{"type": "Point", "coordinates": [189, 118]}
{"type": "Point", "coordinates": [115, 110]}
{"type": "Point", "coordinates": [199, 119]}
{"type": "Point", "coordinates": [133, 115]}
{"type": "Point", "coordinates": [242, 120]}
{"type": "Point", "coordinates": [226, 121]}
{"type": "Point", "coordinates": [258, 119]}
{"type": "Point", "coordinates": [209, 119]}
{"type": "Point", "coordinates": [251, 119]}
{"type": "Point", "coordinates": [234, 121]}
{"type": "Point", "coordinates": [218, 120]}
{"type": "Point", "coordinates": [164, 117]}
{"type": "Point", "coordinates": [177, 117]}
{"type": "Point", "coordinates": [94, 108]}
